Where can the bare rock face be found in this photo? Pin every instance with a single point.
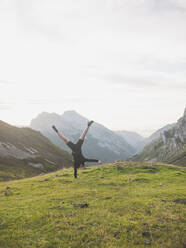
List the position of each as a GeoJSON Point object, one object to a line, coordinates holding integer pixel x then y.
{"type": "Point", "coordinates": [174, 140]}
{"type": "Point", "coordinates": [139, 142]}
{"type": "Point", "coordinates": [9, 150]}
{"type": "Point", "coordinates": [170, 147]}
{"type": "Point", "coordinates": [176, 137]}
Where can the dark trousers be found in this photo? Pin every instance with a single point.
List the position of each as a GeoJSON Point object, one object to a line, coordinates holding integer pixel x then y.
{"type": "Point", "coordinates": [81, 160]}
{"type": "Point", "coordinates": [75, 172]}
{"type": "Point", "coordinates": [77, 164]}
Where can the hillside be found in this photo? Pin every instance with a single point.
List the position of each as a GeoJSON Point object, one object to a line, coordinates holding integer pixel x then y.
{"type": "Point", "coordinates": [157, 134]}
{"type": "Point", "coordinates": [170, 147]}
{"type": "Point", "coordinates": [100, 143]}
{"type": "Point", "coordinates": [118, 205]}
{"type": "Point", "coordinates": [139, 142]}
{"type": "Point", "coordinates": [25, 152]}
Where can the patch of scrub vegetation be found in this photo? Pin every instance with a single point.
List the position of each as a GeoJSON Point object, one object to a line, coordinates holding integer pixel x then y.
{"type": "Point", "coordinates": [123, 204]}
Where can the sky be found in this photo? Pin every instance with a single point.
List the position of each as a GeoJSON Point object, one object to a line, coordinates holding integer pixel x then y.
{"type": "Point", "coordinates": [121, 63]}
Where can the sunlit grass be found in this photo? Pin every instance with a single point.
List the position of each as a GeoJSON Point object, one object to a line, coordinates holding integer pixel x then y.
{"type": "Point", "coordinates": [129, 205]}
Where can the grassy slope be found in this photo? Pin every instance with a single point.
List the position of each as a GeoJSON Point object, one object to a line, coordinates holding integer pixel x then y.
{"type": "Point", "coordinates": [26, 137]}
{"type": "Point", "coordinates": [130, 204]}
{"type": "Point", "coordinates": [156, 150]}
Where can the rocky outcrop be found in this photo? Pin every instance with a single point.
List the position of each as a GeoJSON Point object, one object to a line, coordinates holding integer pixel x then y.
{"type": "Point", "coordinates": [9, 150]}
{"type": "Point", "coordinates": [170, 147]}
{"type": "Point", "coordinates": [139, 142]}
{"type": "Point", "coordinates": [174, 140]}
{"type": "Point", "coordinates": [177, 135]}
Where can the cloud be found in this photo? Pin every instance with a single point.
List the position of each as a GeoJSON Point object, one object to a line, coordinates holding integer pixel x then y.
{"type": "Point", "coordinates": [5, 106]}
{"type": "Point", "coordinates": [4, 82]}
{"type": "Point", "coordinates": [75, 21]}
{"type": "Point", "coordinates": [143, 82]}
{"type": "Point", "coordinates": [72, 53]}
{"type": "Point", "coordinates": [146, 72]}
{"type": "Point", "coordinates": [152, 5]}
{"type": "Point", "coordinates": [129, 80]}
{"type": "Point", "coordinates": [134, 81]}
{"type": "Point", "coordinates": [169, 5]}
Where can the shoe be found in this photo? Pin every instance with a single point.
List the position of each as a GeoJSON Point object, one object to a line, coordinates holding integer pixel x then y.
{"type": "Point", "coordinates": [90, 123]}
{"type": "Point", "coordinates": [55, 129]}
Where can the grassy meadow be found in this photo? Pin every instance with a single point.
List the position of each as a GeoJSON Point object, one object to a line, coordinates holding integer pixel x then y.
{"type": "Point", "coordinates": [124, 204]}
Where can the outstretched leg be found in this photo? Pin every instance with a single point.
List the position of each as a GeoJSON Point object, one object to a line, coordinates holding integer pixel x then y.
{"type": "Point", "coordinates": [93, 160]}
{"type": "Point", "coordinates": [63, 138]}
{"type": "Point", "coordinates": [60, 135]}
{"type": "Point", "coordinates": [82, 137]}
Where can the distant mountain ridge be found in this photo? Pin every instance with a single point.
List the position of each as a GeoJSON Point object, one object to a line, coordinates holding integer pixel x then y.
{"type": "Point", "coordinates": [25, 152]}
{"type": "Point", "coordinates": [170, 147]}
{"type": "Point", "coordinates": [133, 138]}
{"type": "Point", "coordinates": [100, 142]}
{"type": "Point", "coordinates": [139, 142]}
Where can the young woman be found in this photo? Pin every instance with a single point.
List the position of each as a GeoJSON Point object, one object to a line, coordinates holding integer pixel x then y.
{"type": "Point", "coordinates": [79, 159]}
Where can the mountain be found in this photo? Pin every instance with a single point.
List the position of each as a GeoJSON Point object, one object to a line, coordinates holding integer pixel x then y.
{"type": "Point", "coordinates": [25, 152]}
{"type": "Point", "coordinates": [100, 142]}
{"type": "Point", "coordinates": [156, 135]}
{"type": "Point", "coordinates": [139, 142]}
{"type": "Point", "coordinates": [170, 147]}
{"type": "Point", "coordinates": [133, 138]}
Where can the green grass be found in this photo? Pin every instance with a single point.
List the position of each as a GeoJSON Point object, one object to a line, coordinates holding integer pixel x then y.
{"type": "Point", "coordinates": [130, 205]}
{"type": "Point", "coordinates": [25, 138]}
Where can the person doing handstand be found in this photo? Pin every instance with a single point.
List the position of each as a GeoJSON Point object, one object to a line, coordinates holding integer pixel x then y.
{"type": "Point", "coordinates": [79, 159]}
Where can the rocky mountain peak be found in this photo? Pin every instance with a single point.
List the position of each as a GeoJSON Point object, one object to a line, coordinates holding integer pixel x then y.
{"type": "Point", "coordinates": [72, 115]}
{"type": "Point", "coordinates": [72, 120]}
{"type": "Point", "coordinates": [171, 147]}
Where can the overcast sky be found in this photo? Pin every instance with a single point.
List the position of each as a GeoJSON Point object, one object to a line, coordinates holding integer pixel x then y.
{"type": "Point", "coordinates": [119, 62]}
